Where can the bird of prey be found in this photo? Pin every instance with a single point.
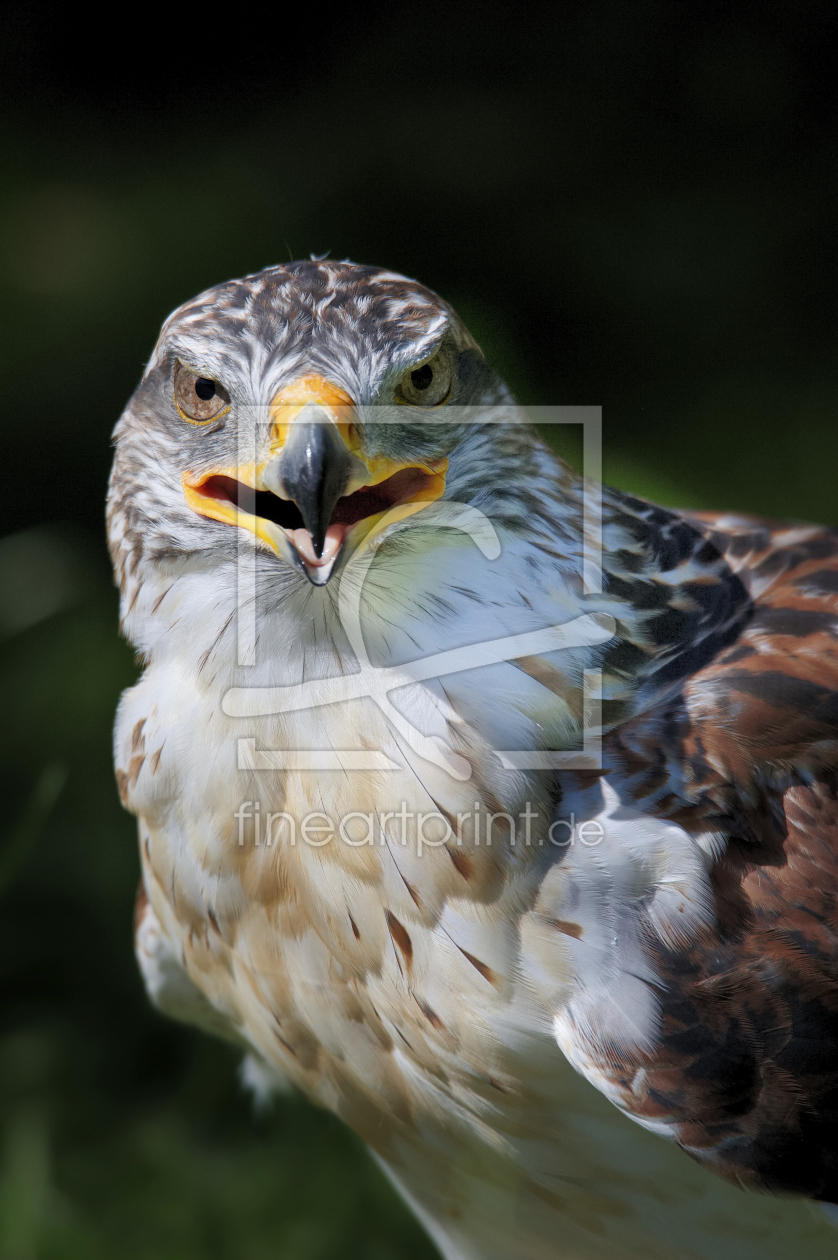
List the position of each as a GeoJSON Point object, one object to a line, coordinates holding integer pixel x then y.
{"type": "Point", "coordinates": [577, 1003]}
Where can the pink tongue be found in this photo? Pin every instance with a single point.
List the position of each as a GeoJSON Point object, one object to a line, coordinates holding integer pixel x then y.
{"type": "Point", "coordinates": [301, 539]}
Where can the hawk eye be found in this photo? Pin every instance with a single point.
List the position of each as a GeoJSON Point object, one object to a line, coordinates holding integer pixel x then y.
{"type": "Point", "coordinates": [429, 384]}
{"type": "Point", "coordinates": [197, 398]}
{"type": "Point", "coordinates": [423, 376]}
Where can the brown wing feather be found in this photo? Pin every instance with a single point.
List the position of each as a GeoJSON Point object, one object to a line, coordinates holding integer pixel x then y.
{"type": "Point", "coordinates": [768, 705]}
{"type": "Point", "coordinates": [746, 1069]}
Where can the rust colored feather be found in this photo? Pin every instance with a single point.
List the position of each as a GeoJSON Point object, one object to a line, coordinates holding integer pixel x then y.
{"type": "Point", "coordinates": [745, 1063]}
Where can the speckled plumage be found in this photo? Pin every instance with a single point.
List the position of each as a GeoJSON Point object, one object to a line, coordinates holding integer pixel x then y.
{"type": "Point", "coordinates": [468, 1007]}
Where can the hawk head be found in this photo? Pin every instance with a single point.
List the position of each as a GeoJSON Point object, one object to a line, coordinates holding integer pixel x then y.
{"type": "Point", "coordinates": [302, 405]}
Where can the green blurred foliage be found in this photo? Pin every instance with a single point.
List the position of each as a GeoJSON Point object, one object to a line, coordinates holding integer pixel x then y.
{"type": "Point", "coordinates": [630, 205]}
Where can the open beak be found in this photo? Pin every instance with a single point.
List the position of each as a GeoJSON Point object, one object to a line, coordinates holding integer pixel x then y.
{"type": "Point", "coordinates": [316, 496]}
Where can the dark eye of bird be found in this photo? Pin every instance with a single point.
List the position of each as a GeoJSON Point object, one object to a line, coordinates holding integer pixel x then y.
{"type": "Point", "coordinates": [422, 377]}
{"type": "Point", "coordinates": [206, 389]}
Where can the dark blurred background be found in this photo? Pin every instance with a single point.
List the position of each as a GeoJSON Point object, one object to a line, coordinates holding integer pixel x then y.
{"type": "Point", "coordinates": [631, 205]}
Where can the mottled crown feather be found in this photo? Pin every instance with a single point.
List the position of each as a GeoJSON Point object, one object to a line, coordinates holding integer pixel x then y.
{"type": "Point", "coordinates": [314, 304]}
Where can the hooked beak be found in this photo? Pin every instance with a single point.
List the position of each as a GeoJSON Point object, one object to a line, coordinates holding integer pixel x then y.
{"type": "Point", "coordinates": [316, 496]}
{"type": "Point", "coordinates": [313, 471]}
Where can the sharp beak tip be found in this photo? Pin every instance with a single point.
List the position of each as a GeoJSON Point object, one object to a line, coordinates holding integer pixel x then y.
{"type": "Point", "coordinates": [314, 470]}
